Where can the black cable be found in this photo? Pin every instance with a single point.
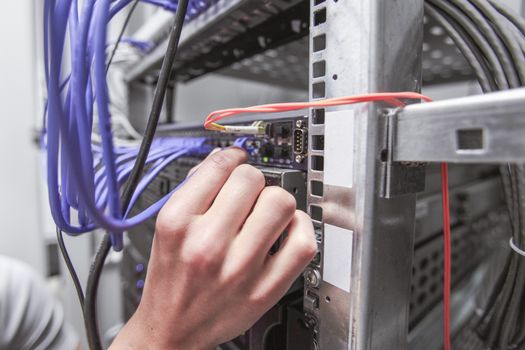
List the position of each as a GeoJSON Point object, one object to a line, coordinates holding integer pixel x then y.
{"type": "Point", "coordinates": [70, 267]}
{"type": "Point", "coordinates": [121, 34]}
{"type": "Point", "coordinates": [90, 315]}
{"type": "Point", "coordinates": [60, 238]}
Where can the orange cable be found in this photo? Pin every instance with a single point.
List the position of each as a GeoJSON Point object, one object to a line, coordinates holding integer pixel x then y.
{"type": "Point", "coordinates": [392, 98]}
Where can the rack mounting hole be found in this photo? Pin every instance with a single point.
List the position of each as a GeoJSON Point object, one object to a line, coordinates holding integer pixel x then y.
{"type": "Point", "coordinates": [470, 140]}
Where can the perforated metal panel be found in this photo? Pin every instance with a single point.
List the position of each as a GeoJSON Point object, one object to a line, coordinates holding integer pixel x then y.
{"type": "Point", "coordinates": [288, 64]}
{"type": "Point", "coordinates": [470, 244]}
{"type": "Point", "coordinates": [442, 61]}
{"type": "Point", "coordinates": [226, 37]}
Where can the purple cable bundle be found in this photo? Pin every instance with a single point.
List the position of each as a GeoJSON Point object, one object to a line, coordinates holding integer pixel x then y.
{"type": "Point", "coordinates": [81, 175]}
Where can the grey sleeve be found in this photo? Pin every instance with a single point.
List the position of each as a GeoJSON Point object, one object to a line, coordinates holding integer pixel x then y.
{"type": "Point", "coordinates": [30, 317]}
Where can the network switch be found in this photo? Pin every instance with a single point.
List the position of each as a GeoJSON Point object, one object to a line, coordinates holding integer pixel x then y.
{"type": "Point", "coordinates": [275, 147]}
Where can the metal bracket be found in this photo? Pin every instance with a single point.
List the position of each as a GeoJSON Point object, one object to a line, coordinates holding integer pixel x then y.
{"type": "Point", "coordinates": [398, 178]}
{"type": "Point", "coordinates": [478, 129]}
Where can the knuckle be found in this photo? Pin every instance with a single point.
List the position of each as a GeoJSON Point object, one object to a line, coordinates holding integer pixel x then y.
{"type": "Point", "coordinates": [201, 253]}
{"type": "Point", "coordinates": [167, 226]}
{"type": "Point", "coordinates": [282, 200]}
{"type": "Point", "coordinates": [236, 275]}
{"type": "Point", "coordinates": [221, 161]}
{"type": "Point", "coordinates": [305, 240]}
{"type": "Point", "coordinates": [192, 170]}
{"type": "Point", "coordinates": [226, 160]}
{"type": "Point", "coordinates": [306, 247]}
{"type": "Point", "coordinates": [162, 227]}
{"type": "Point", "coordinates": [305, 220]}
{"type": "Point", "coordinates": [199, 259]}
{"type": "Point", "coordinates": [258, 299]}
{"type": "Point", "coordinates": [251, 173]}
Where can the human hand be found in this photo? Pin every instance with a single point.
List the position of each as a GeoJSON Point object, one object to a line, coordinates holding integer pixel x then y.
{"type": "Point", "coordinates": [210, 277]}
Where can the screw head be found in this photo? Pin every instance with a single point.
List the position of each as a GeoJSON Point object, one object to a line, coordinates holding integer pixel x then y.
{"type": "Point", "coordinates": [312, 277]}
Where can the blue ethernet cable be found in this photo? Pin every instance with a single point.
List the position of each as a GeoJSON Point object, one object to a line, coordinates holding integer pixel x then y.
{"type": "Point", "coordinates": [81, 175]}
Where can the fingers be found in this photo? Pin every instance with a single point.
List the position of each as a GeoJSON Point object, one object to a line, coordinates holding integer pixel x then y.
{"type": "Point", "coordinates": [194, 169]}
{"type": "Point", "coordinates": [271, 215]}
{"type": "Point", "coordinates": [200, 189]}
{"type": "Point", "coordinates": [236, 199]}
{"type": "Point", "coordinates": [295, 254]}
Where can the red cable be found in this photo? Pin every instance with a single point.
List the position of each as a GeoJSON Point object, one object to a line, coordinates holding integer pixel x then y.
{"type": "Point", "coordinates": [447, 260]}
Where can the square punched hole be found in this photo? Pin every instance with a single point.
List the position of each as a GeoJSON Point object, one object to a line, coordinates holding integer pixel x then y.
{"type": "Point", "coordinates": [319, 69]}
{"type": "Point", "coordinates": [318, 231]}
{"type": "Point", "coordinates": [316, 213]}
{"type": "Point", "coordinates": [470, 140]}
{"type": "Point", "coordinates": [317, 163]}
{"type": "Point", "coordinates": [319, 17]}
{"type": "Point", "coordinates": [319, 42]}
{"type": "Point", "coordinates": [319, 90]}
{"type": "Point", "coordinates": [318, 117]}
{"type": "Point", "coordinates": [318, 142]}
{"type": "Point", "coordinates": [317, 188]}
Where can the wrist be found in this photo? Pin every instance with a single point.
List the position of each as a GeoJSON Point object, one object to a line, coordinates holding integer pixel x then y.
{"type": "Point", "coordinates": [145, 332]}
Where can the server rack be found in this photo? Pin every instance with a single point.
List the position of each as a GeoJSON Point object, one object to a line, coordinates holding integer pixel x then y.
{"type": "Point", "coordinates": [362, 200]}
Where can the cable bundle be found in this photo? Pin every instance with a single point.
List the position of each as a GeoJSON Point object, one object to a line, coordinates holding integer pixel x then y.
{"type": "Point", "coordinates": [87, 177]}
{"type": "Point", "coordinates": [74, 100]}
{"type": "Point", "coordinates": [492, 40]}
{"type": "Point", "coordinates": [163, 152]}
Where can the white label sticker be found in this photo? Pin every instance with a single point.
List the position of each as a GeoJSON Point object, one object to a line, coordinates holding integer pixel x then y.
{"type": "Point", "coordinates": [339, 148]}
{"type": "Point", "coordinates": [337, 256]}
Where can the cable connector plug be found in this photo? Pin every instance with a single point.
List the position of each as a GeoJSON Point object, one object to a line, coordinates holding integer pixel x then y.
{"type": "Point", "coordinates": [257, 128]}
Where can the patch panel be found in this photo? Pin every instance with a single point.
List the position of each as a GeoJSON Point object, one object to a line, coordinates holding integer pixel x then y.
{"type": "Point", "coordinates": [276, 147]}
